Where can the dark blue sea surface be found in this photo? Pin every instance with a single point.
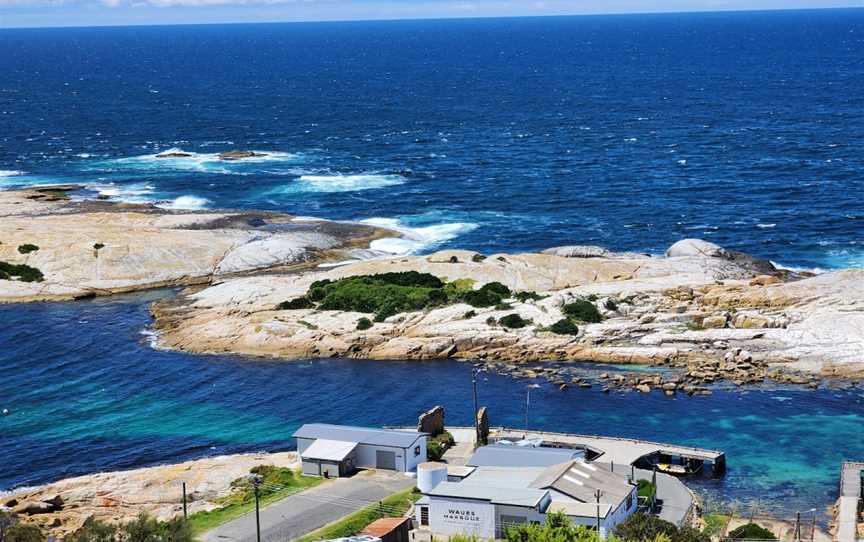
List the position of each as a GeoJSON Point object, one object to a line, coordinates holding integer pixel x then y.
{"type": "Point", "coordinates": [86, 392]}
{"type": "Point", "coordinates": [499, 135]}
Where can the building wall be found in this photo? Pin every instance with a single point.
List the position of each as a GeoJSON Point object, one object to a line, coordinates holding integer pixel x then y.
{"type": "Point", "coordinates": [529, 514]}
{"type": "Point", "coordinates": [448, 516]}
{"type": "Point", "coordinates": [365, 456]}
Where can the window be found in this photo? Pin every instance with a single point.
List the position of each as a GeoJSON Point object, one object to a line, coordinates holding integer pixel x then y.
{"type": "Point", "coordinates": [416, 451]}
{"type": "Point", "coordinates": [507, 521]}
{"type": "Point", "coordinates": [424, 516]}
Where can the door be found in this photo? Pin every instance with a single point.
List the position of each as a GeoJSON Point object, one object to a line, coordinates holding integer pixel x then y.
{"type": "Point", "coordinates": [385, 460]}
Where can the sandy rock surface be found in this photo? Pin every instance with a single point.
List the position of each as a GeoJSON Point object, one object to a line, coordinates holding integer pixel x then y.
{"type": "Point", "coordinates": [693, 311]}
{"type": "Point", "coordinates": [95, 248]}
{"type": "Point", "coordinates": [63, 506]}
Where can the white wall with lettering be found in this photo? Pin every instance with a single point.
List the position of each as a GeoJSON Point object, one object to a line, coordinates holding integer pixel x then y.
{"type": "Point", "coordinates": [462, 516]}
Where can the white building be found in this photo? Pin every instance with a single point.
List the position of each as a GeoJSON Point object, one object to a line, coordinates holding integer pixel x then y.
{"type": "Point", "coordinates": [492, 498]}
{"type": "Point", "coordinates": [338, 450]}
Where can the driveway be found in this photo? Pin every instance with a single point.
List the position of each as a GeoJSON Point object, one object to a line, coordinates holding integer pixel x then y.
{"type": "Point", "coordinates": [312, 509]}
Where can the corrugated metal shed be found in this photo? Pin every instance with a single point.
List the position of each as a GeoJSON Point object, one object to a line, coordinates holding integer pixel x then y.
{"type": "Point", "coordinates": [579, 480]}
{"type": "Point", "coordinates": [360, 435]}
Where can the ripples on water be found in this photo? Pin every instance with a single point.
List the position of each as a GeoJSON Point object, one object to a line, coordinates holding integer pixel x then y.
{"type": "Point", "coordinates": [87, 393]}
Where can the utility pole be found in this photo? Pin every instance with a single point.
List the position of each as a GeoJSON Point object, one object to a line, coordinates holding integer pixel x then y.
{"type": "Point", "coordinates": [185, 516]}
{"type": "Point", "coordinates": [256, 481]}
{"type": "Point", "coordinates": [597, 495]}
{"type": "Point", "coordinates": [476, 421]}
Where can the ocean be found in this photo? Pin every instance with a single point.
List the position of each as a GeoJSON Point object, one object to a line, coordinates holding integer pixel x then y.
{"type": "Point", "coordinates": [630, 132]}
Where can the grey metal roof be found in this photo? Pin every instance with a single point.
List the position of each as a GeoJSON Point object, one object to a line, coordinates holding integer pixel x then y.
{"type": "Point", "coordinates": [517, 456]}
{"type": "Point", "coordinates": [360, 435]}
{"type": "Point", "coordinates": [512, 496]}
{"type": "Point", "coordinates": [579, 480]}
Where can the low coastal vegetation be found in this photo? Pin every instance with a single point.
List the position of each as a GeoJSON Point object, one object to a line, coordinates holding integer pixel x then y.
{"type": "Point", "coordinates": [144, 528]}
{"type": "Point", "coordinates": [436, 446]}
{"type": "Point", "coordinates": [388, 294]}
{"type": "Point", "coordinates": [27, 248]}
{"type": "Point", "coordinates": [582, 310]}
{"type": "Point", "coordinates": [642, 527]}
{"type": "Point", "coordinates": [21, 272]}
{"type": "Point", "coordinates": [751, 531]}
{"type": "Point", "coordinates": [395, 505]}
{"type": "Point", "coordinates": [275, 483]}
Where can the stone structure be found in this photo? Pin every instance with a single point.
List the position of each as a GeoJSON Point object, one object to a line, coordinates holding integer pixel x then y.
{"type": "Point", "coordinates": [431, 421]}
{"type": "Point", "coordinates": [482, 426]}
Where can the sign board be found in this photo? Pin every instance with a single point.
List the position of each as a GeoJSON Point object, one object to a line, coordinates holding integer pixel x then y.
{"type": "Point", "coordinates": [462, 517]}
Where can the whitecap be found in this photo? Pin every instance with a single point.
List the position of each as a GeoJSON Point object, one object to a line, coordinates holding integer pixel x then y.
{"type": "Point", "coordinates": [766, 225]}
{"type": "Point", "coordinates": [415, 239]}
{"type": "Point", "coordinates": [10, 173]}
{"type": "Point", "coordinates": [177, 159]}
{"type": "Point", "coordinates": [343, 183]}
{"type": "Point", "coordinates": [185, 203]}
{"type": "Point", "coordinates": [130, 193]}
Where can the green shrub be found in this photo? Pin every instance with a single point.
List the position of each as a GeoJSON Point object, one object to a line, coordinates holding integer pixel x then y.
{"type": "Point", "coordinates": [583, 311]}
{"type": "Point", "coordinates": [453, 259]}
{"type": "Point", "coordinates": [558, 528]}
{"type": "Point", "coordinates": [98, 246]}
{"type": "Point", "coordinates": [477, 258]}
{"type": "Point", "coordinates": [564, 327]}
{"type": "Point", "coordinates": [715, 524]}
{"type": "Point", "coordinates": [646, 489]}
{"type": "Point", "coordinates": [27, 248]}
{"type": "Point", "coordinates": [497, 288]}
{"type": "Point", "coordinates": [298, 303]}
{"type": "Point", "coordinates": [22, 272]}
{"type": "Point", "coordinates": [488, 295]}
{"type": "Point", "coordinates": [437, 445]}
{"type": "Point", "coordinates": [503, 306]}
{"type": "Point", "coordinates": [364, 324]}
{"type": "Point", "coordinates": [468, 315]}
{"type": "Point", "coordinates": [24, 532]}
{"type": "Point", "coordinates": [642, 527]}
{"type": "Point", "coordinates": [147, 529]}
{"type": "Point", "coordinates": [491, 321]}
{"type": "Point", "coordinates": [751, 531]}
{"type": "Point", "coordinates": [526, 296]}
{"type": "Point", "coordinates": [94, 530]}
{"type": "Point", "coordinates": [611, 305]}
{"type": "Point", "coordinates": [513, 321]}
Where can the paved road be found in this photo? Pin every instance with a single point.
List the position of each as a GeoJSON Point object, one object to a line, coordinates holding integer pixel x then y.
{"type": "Point", "coordinates": [309, 510]}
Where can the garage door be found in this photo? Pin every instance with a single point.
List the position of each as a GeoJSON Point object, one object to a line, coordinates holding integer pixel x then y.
{"type": "Point", "coordinates": [385, 460]}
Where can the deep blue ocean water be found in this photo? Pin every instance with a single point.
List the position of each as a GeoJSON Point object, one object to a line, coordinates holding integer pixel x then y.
{"type": "Point", "coordinates": [500, 135]}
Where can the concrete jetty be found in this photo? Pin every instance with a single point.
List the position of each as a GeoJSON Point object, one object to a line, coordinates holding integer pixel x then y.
{"type": "Point", "coordinates": [850, 499]}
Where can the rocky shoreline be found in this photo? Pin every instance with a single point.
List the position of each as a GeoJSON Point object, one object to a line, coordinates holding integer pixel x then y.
{"type": "Point", "coordinates": [713, 314]}
{"type": "Point", "coordinates": [58, 246]}
{"type": "Point", "coordinates": [62, 507]}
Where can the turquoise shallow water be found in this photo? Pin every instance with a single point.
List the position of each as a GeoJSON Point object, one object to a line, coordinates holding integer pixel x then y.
{"type": "Point", "coordinates": [110, 402]}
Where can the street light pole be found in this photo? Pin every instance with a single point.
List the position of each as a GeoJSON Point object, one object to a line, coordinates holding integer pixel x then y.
{"type": "Point", "coordinates": [256, 481]}
{"type": "Point", "coordinates": [476, 421]}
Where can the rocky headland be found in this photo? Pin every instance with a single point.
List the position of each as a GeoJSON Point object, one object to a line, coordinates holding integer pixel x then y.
{"type": "Point", "coordinates": [116, 497]}
{"type": "Point", "coordinates": [55, 245]}
{"type": "Point", "coordinates": [714, 314]}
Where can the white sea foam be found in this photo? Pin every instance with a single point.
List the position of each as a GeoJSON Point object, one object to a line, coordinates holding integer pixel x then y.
{"type": "Point", "coordinates": [415, 239]}
{"type": "Point", "coordinates": [765, 226]}
{"type": "Point", "coordinates": [10, 173]}
{"type": "Point", "coordinates": [185, 203]}
{"type": "Point", "coordinates": [130, 193]}
{"type": "Point", "coordinates": [344, 183]}
{"type": "Point", "coordinates": [192, 161]}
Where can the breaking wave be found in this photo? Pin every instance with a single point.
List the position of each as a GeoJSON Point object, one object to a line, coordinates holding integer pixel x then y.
{"type": "Point", "coordinates": [179, 160]}
{"type": "Point", "coordinates": [341, 183]}
{"type": "Point", "coordinates": [415, 239]}
{"type": "Point", "coordinates": [185, 203]}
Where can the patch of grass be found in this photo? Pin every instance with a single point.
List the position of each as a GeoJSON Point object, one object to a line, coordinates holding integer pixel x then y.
{"type": "Point", "coordinates": [582, 310]}
{"type": "Point", "coordinates": [27, 248]}
{"type": "Point", "coordinates": [715, 524]}
{"type": "Point", "coordinates": [278, 483]}
{"type": "Point", "coordinates": [513, 321]}
{"type": "Point", "coordinates": [364, 324]}
{"type": "Point", "coordinates": [21, 272]}
{"type": "Point", "coordinates": [564, 326]}
{"type": "Point", "coordinates": [299, 303]}
{"type": "Point", "coordinates": [393, 506]}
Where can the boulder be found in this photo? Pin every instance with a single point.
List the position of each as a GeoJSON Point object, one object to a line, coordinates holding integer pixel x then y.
{"type": "Point", "coordinates": [717, 321]}
{"type": "Point", "coordinates": [174, 154]}
{"type": "Point", "coordinates": [483, 425]}
{"type": "Point", "coordinates": [239, 155]}
{"type": "Point", "coordinates": [696, 247]}
{"type": "Point", "coordinates": [578, 251]}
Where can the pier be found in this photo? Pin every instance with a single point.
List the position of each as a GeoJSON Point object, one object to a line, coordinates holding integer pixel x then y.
{"type": "Point", "coordinates": [619, 451]}
{"type": "Point", "coordinates": [850, 501]}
